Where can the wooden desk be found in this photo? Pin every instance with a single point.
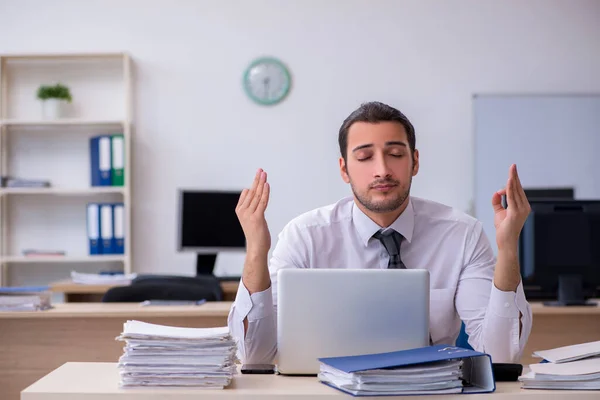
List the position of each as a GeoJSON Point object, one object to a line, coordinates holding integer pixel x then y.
{"type": "Point", "coordinates": [76, 292]}
{"type": "Point", "coordinates": [230, 289]}
{"type": "Point", "coordinates": [99, 381]}
{"type": "Point", "coordinates": [34, 343]}
{"type": "Point", "coordinates": [79, 293]}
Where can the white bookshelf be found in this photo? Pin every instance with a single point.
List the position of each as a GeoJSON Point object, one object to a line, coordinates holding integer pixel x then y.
{"type": "Point", "coordinates": [65, 259]}
{"type": "Point", "coordinates": [31, 147]}
{"type": "Point", "coordinates": [64, 191]}
{"type": "Point", "coordinates": [60, 122]}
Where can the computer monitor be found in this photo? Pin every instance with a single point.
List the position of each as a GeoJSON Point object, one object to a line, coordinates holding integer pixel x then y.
{"type": "Point", "coordinates": [545, 193]}
{"type": "Point", "coordinates": [560, 251]}
{"type": "Point", "coordinates": [566, 193]}
{"type": "Point", "coordinates": [209, 225]}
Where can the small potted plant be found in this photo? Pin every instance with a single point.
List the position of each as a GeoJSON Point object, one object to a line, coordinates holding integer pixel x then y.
{"type": "Point", "coordinates": [54, 98]}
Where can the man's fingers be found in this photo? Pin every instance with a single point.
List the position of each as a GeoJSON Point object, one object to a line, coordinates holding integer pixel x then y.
{"type": "Point", "coordinates": [264, 199]}
{"type": "Point", "coordinates": [497, 202]}
{"type": "Point", "coordinates": [520, 191]}
{"type": "Point", "coordinates": [242, 197]}
{"type": "Point", "coordinates": [525, 206]}
{"type": "Point", "coordinates": [510, 193]}
{"type": "Point", "coordinates": [252, 190]}
{"type": "Point", "coordinates": [258, 192]}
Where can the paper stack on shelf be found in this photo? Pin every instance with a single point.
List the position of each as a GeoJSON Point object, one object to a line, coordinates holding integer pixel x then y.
{"type": "Point", "coordinates": [569, 367]}
{"type": "Point", "coordinates": [159, 355]}
{"type": "Point", "coordinates": [43, 253]}
{"type": "Point", "coordinates": [429, 370]}
{"type": "Point", "coordinates": [101, 279]}
{"type": "Point", "coordinates": [24, 298]}
{"type": "Point", "coordinates": [15, 182]}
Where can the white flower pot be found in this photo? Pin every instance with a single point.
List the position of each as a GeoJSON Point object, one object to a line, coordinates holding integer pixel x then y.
{"type": "Point", "coordinates": [53, 108]}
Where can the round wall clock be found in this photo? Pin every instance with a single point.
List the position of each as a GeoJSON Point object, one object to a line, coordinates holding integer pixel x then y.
{"type": "Point", "coordinates": [267, 81]}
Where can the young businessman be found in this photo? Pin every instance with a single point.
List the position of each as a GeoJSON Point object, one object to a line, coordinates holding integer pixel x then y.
{"type": "Point", "coordinates": [382, 226]}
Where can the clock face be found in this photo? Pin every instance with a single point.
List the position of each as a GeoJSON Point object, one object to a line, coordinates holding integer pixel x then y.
{"type": "Point", "coordinates": [267, 81]}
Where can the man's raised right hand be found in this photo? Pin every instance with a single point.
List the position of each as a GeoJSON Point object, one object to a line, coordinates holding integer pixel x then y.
{"type": "Point", "coordinates": [250, 211]}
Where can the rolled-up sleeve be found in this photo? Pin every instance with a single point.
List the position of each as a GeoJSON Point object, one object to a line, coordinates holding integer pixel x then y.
{"type": "Point", "coordinates": [497, 322]}
{"type": "Point", "coordinates": [508, 324]}
{"type": "Point", "coordinates": [259, 344]}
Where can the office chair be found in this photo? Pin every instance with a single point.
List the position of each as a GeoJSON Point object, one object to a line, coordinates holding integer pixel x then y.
{"type": "Point", "coordinates": [166, 287]}
{"type": "Point", "coordinates": [463, 338]}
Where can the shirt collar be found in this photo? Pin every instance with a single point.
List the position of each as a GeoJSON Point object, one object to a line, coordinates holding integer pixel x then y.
{"type": "Point", "coordinates": [366, 227]}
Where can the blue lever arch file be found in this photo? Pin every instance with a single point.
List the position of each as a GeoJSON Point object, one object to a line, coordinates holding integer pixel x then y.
{"type": "Point", "coordinates": [107, 237]}
{"type": "Point", "coordinates": [100, 161]}
{"type": "Point", "coordinates": [93, 228]}
{"type": "Point", "coordinates": [118, 228]}
{"type": "Point", "coordinates": [401, 369]}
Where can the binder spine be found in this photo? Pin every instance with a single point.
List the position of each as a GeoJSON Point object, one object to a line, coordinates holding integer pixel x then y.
{"type": "Point", "coordinates": [95, 161]}
{"type": "Point", "coordinates": [119, 228]}
{"type": "Point", "coordinates": [106, 228]}
{"type": "Point", "coordinates": [105, 161]}
{"type": "Point", "coordinates": [100, 160]}
{"type": "Point", "coordinates": [93, 228]}
{"type": "Point", "coordinates": [118, 160]}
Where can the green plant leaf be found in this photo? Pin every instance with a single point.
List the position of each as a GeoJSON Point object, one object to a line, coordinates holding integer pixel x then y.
{"type": "Point", "coordinates": [58, 91]}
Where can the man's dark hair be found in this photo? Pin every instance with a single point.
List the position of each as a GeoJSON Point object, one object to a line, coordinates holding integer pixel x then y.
{"type": "Point", "coordinates": [374, 112]}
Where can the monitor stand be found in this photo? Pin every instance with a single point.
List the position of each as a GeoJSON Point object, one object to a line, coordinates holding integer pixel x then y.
{"type": "Point", "coordinates": [570, 292]}
{"type": "Point", "coordinates": [205, 265]}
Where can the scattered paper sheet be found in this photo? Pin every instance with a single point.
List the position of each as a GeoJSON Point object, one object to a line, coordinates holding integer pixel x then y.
{"type": "Point", "coordinates": [570, 353]}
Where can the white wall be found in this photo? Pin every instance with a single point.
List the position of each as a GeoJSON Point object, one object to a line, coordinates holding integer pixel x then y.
{"type": "Point", "coordinates": [567, 126]}
{"type": "Point", "coordinates": [196, 129]}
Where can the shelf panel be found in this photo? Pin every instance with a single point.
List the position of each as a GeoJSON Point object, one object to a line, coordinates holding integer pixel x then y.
{"type": "Point", "coordinates": [59, 122]}
{"type": "Point", "coordinates": [65, 191]}
{"type": "Point", "coordinates": [62, 56]}
{"type": "Point", "coordinates": [62, 259]}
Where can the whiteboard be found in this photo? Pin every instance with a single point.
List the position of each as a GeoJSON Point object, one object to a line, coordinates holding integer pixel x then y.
{"type": "Point", "coordinates": [553, 139]}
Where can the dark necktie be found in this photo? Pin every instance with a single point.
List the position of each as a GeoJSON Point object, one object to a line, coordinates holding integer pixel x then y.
{"type": "Point", "coordinates": [391, 240]}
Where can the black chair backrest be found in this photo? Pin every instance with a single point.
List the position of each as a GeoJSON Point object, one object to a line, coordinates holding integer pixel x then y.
{"type": "Point", "coordinates": [204, 280]}
{"type": "Point", "coordinates": [166, 288]}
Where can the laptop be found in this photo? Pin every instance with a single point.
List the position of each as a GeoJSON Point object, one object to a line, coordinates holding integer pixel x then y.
{"type": "Point", "coordinates": [342, 312]}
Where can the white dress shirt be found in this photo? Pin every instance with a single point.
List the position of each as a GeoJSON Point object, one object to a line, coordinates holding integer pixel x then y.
{"type": "Point", "coordinates": [447, 242]}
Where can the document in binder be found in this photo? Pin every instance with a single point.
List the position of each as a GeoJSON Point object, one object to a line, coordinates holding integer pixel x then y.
{"type": "Point", "coordinates": [427, 370]}
{"type": "Point", "coordinates": [100, 160]}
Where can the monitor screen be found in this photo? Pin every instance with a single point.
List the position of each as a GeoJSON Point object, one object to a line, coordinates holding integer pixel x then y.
{"type": "Point", "coordinates": [560, 238]}
{"type": "Point", "coordinates": [565, 193]}
{"type": "Point", "coordinates": [208, 221]}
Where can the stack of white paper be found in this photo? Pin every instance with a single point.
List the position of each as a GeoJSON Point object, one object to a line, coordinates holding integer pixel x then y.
{"type": "Point", "coordinates": [569, 367]}
{"type": "Point", "coordinates": [25, 300]}
{"type": "Point", "coordinates": [159, 355]}
{"type": "Point", "coordinates": [101, 279]}
{"type": "Point", "coordinates": [431, 378]}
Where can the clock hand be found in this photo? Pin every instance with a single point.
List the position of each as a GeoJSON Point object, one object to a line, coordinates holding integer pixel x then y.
{"type": "Point", "coordinates": [266, 83]}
